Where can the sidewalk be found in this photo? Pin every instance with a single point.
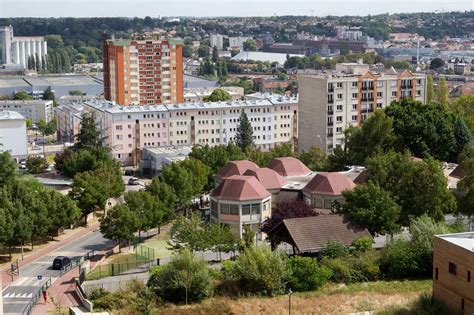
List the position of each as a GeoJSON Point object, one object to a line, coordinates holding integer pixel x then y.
{"type": "Point", "coordinates": [62, 293]}
{"type": "Point", "coordinates": [6, 278]}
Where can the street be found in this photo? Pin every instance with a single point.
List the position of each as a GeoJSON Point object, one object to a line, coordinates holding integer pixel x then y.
{"type": "Point", "coordinates": [17, 296]}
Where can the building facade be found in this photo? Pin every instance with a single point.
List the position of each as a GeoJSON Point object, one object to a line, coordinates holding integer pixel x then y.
{"type": "Point", "coordinates": [34, 109]}
{"type": "Point", "coordinates": [13, 134]}
{"type": "Point", "coordinates": [130, 129]}
{"type": "Point", "coordinates": [331, 102]}
{"type": "Point", "coordinates": [143, 71]}
{"type": "Point", "coordinates": [453, 268]}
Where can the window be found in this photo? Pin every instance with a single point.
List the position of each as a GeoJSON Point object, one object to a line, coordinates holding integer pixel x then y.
{"type": "Point", "coordinates": [339, 96]}
{"type": "Point", "coordinates": [354, 117]}
{"type": "Point", "coordinates": [453, 268]}
{"type": "Point", "coordinates": [245, 209]}
{"type": "Point", "coordinates": [354, 84]}
{"type": "Point", "coordinates": [318, 203]}
{"type": "Point", "coordinates": [339, 118]}
{"type": "Point", "coordinates": [462, 304]}
{"type": "Point", "coordinates": [213, 208]}
{"type": "Point", "coordinates": [436, 273]}
{"type": "Point", "coordinates": [118, 127]}
{"type": "Point", "coordinates": [255, 208]}
{"type": "Point", "coordinates": [225, 208]}
{"type": "Point", "coordinates": [234, 209]}
{"type": "Point", "coordinates": [394, 93]}
{"type": "Point", "coordinates": [468, 276]}
{"type": "Point", "coordinates": [354, 95]}
{"type": "Point", "coordinates": [339, 107]}
{"type": "Point", "coordinates": [354, 106]}
{"type": "Point", "coordinates": [327, 204]}
{"type": "Point", "coordinates": [339, 84]}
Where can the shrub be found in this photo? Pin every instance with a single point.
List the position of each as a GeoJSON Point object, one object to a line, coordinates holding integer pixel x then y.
{"type": "Point", "coordinates": [400, 260]}
{"type": "Point", "coordinates": [36, 164]}
{"type": "Point", "coordinates": [260, 271]}
{"type": "Point", "coordinates": [185, 278]}
{"type": "Point", "coordinates": [306, 275]}
{"type": "Point", "coordinates": [362, 244]}
{"type": "Point", "coordinates": [334, 249]}
{"type": "Point", "coordinates": [340, 269]}
{"type": "Point", "coordinates": [365, 267]}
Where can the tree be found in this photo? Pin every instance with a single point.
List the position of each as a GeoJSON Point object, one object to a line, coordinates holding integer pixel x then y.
{"type": "Point", "coordinates": [8, 168]}
{"type": "Point", "coordinates": [463, 106]}
{"type": "Point", "coordinates": [260, 271]}
{"type": "Point", "coordinates": [149, 210]}
{"type": "Point", "coordinates": [46, 129]}
{"type": "Point", "coordinates": [185, 278]}
{"type": "Point", "coordinates": [222, 239]}
{"type": "Point", "coordinates": [466, 184]}
{"type": "Point", "coordinates": [215, 54]}
{"type": "Point", "coordinates": [250, 45]}
{"type": "Point", "coordinates": [315, 159]}
{"type": "Point", "coordinates": [373, 208]}
{"type": "Point", "coordinates": [187, 51]}
{"type": "Point", "coordinates": [199, 172]}
{"type": "Point", "coordinates": [71, 162]}
{"type": "Point", "coordinates": [22, 95]}
{"type": "Point", "coordinates": [76, 92]}
{"type": "Point", "coordinates": [244, 135]}
{"type": "Point", "coordinates": [165, 194]}
{"type": "Point", "coordinates": [344, 48]}
{"type": "Point", "coordinates": [218, 95]}
{"type": "Point", "coordinates": [90, 135]}
{"type": "Point", "coordinates": [436, 63]}
{"type": "Point", "coordinates": [217, 156]}
{"type": "Point", "coordinates": [190, 233]}
{"type": "Point", "coordinates": [334, 249]}
{"type": "Point", "coordinates": [37, 63]}
{"type": "Point", "coordinates": [418, 187]}
{"type": "Point", "coordinates": [29, 123]}
{"type": "Point", "coordinates": [36, 164]}
{"type": "Point", "coordinates": [430, 91]}
{"type": "Point", "coordinates": [180, 180]}
{"type": "Point", "coordinates": [120, 224]}
{"type": "Point", "coordinates": [48, 95]}
{"type": "Point", "coordinates": [442, 91]}
{"type": "Point", "coordinates": [203, 51]}
{"type": "Point", "coordinates": [62, 210]}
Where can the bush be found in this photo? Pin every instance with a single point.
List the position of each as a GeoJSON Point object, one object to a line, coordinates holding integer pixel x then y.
{"type": "Point", "coordinates": [400, 259]}
{"type": "Point", "coordinates": [36, 164]}
{"type": "Point", "coordinates": [185, 278]}
{"type": "Point", "coordinates": [365, 267]}
{"type": "Point", "coordinates": [363, 244]}
{"type": "Point", "coordinates": [340, 269]}
{"type": "Point", "coordinates": [260, 271]}
{"type": "Point", "coordinates": [306, 275]}
{"type": "Point", "coordinates": [334, 249]}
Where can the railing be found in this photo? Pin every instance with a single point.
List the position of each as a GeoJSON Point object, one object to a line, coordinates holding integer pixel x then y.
{"type": "Point", "coordinates": [331, 101]}
{"type": "Point", "coordinates": [36, 296]}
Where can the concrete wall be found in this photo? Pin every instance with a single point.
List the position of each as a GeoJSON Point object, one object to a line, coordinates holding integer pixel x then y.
{"type": "Point", "coordinates": [13, 137]}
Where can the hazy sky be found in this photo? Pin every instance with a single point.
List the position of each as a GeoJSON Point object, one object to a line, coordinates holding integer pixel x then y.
{"type": "Point", "coordinates": [155, 8]}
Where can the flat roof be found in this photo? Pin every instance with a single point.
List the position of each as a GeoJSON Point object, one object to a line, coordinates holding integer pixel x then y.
{"type": "Point", "coordinates": [464, 240]}
{"type": "Point", "coordinates": [10, 115]}
{"type": "Point", "coordinates": [170, 150]}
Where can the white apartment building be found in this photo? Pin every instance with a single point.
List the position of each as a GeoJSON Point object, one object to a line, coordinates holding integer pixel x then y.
{"type": "Point", "coordinates": [237, 42]}
{"type": "Point", "coordinates": [130, 129]}
{"type": "Point", "coordinates": [218, 41]}
{"type": "Point", "coordinates": [13, 134]}
{"type": "Point", "coordinates": [30, 109]}
{"type": "Point", "coordinates": [331, 102]}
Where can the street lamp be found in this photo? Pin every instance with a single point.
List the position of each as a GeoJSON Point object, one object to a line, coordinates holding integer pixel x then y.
{"type": "Point", "coordinates": [289, 301]}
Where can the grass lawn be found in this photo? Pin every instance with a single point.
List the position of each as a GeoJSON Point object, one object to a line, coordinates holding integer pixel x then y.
{"type": "Point", "coordinates": [160, 248]}
{"type": "Point", "coordinates": [332, 299]}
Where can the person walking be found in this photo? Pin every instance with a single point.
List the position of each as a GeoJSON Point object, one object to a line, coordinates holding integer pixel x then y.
{"type": "Point", "coordinates": [45, 296]}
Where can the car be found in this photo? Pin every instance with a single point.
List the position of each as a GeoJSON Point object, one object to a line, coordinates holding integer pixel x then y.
{"type": "Point", "coordinates": [134, 181]}
{"type": "Point", "coordinates": [128, 173]}
{"type": "Point", "coordinates": [23, 162]}
{"type": "Point", "coordinates": [61, 262]}
{"type": "Point", "coordinates": [35, 147]}
{"type": "Point", "coordinates": [22, 167]}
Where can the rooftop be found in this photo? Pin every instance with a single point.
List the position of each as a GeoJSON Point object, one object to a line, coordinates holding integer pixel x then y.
{"type": "Point", "coordinates": [263, 56]}
{"type": "Point", "coordinates": [10, 115]}
{"type": "Point", "coordinates": [170, 150]}
{"type": "Point", "coordinates": [240, 188]}
{"type": "Point", "coordinates": [464, 240]}
{"type": "Point", "coordinates": [329, 184]}
{"type": "Point", "coordinates": [236, 168]}
{"type": "Point", "coordinates": [289, 166]}
{"type": "Point", "coordinates": [267, 177]}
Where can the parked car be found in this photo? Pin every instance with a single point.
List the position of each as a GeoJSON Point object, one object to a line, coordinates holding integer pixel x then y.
{"type": "Point", "coordinates": [134, 181]}
{"type": "Point", "coordinates": [128, 173]}
{"type": "Point", "coordinates": [35, 147]}
{"type": "Point", "coordinates": [60, 262]}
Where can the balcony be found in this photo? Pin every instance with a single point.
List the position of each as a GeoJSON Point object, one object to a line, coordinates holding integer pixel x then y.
{"type": "Point", "coordinates": [330, 90]}
{"type": "Point", "coordinates": [330, 123]}
{"type": "Point", "coordinates": [330, 134]}
{"type": "Point", "coordinates": [330, 112]}
{"type": "Point", "coordinates": [331, 101]}
{"type": "Point", "coordinates": [367, 87]}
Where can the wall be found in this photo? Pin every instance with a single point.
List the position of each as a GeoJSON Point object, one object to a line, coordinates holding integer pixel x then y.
{"type": "Point", "coordinates": [13, 137]}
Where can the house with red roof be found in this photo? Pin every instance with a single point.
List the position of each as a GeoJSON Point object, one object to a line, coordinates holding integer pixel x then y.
{"type": "Point", "coordinates": [289, 166]}
{"type": "Point", "coordinates": [271, 180]}
{"type": "Point", "coordinates": [238, 201]}
{"type": "Point", "coordinates": [325, 189]}
{"type": "Point", "coordinates": [234, 168]}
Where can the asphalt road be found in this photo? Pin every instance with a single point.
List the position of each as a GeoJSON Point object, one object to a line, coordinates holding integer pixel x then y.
{"type": "Point", "coordinates": [17, 296]}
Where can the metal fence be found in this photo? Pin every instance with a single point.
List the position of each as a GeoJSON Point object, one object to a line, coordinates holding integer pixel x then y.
{"type": "Point", "coordinates": [36, 296]}
{"type": "Point", "coordinates": [147, 253]}
{"type": "Point", "coordinates": [131, 266]}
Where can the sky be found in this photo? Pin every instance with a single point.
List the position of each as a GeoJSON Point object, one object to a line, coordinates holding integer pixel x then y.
{"type": "Point", "coordinates": [200, 8]}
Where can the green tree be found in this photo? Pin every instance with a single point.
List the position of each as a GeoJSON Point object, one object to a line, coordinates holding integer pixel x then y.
{"type": "Point", "coordinates": [315, 159]}
{"type": "Point", "coordinates": [203, 51]}
{"type": "Point", "coordinates": [250, 45]}
{"type": "Point", "coordinates": [464, 107]}
{"type": "Point", "coordinates": [244, 135]}
{"type": "Point", "coordinates": [418, 187]}
{"type": "Point", "coordinates": [306, 275]}
{"type": "Point", "coordinates": [62, 210]}
{"type": "Point", "coordinates": [334, 249]}
{"type": "Point", "coordinates": [90, 135]}
{"type": "Point", "coordinates": [187, 51]}
{"type": "Point", "coordinates": [430, 91]}
{"type": "Point", "coordinates": [184, 279]}
{"type": "Point", "coordinates": [180, 180]}
{"type": "Point", "coordinates": [466, 184]}
{"type": "Point", "coordinates": [120, 224]}
{"type": "Point", "coordinates": [76, 92]}
{"type": "Point", "coordinates": [148, 209]}
{"type": "Point", "coordinates": [29, 123]}
{"type": "Point", "coordinates": [37, 63]}
{"type": "Point", "coordinates": [190, 233]}
{"type": "Point", "coordinates": [217, 156]}
{"type": "Point", "coordinates": [23, 96]}
{"type": "Point", "coordinates": [165, 194]}
{"type": "Point", "coordinates": [48, 95]}
{"type": "Point", "coordinates": [373, 208]}
{"type": "Point", "coordinates": [218, 95]}
{"type": "Point", "coordinates": [260, 271]}
{"type": "Point", "coordinates": [199, 172]}
{"type": "Point", "coordinates": [215, 54]}
{"type": "Point", "coordinates": [442, 93]}
{"type": "Point", "coordinates": [71, 162]}
{"type": "Point", "coordinates": [36, 164]}
{"type": "Point", "coordinates": [436, 63]}
{"type": "Point", "coordinates": [8, 168]}
{"type": "Point", "coordinates": [222, 239]}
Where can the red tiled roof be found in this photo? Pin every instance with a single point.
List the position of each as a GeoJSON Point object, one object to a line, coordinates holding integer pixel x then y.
{"type": "Point", "coordinates": [236, 168]}
{"type": "Point", "coordinates": [267, 177]}
{"type": "Point", "coordinates": [289, 166]}
{"type": "Point", "coordinates": [457, 172]}
{"type": "Point", "coordinates": [361, 178]}
{"type": "Point", "coordinates": [311, 234]}
{"type": "Point", "coordinates": [329, 184]}
{"type": "Point", "coordinates": [240, 188]}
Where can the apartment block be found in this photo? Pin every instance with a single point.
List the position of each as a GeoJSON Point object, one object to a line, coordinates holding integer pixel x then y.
{"type": "Point", "coordinates": [331, 102]}
{"type": "Point", "coordinates": [130, 129]}
{"type": "Point", "coordinates": [68, 119]}
{"type": "Point", "coordinates": [453, 267]}
{"type": "Point", "coordinates": [30, 109]}
{"type": "Point", "coordinates": [13, 134]}
{"type": "Point", "coordinates": [143, 71]}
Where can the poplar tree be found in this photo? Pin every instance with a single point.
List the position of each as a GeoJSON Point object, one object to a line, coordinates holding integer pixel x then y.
{"type": "Point", "coordinates": [430, 92]}
{"type": "Point", "coordinates": [443, 96]}
{"type": "Point", "coordinates": [244, 136]}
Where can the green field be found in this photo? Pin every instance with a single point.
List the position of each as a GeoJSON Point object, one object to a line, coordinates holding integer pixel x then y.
{"type": "Point", "coordinates": [160, 248]}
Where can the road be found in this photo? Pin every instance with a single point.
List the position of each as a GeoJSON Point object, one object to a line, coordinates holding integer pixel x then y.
{"type": "Point", "coordinates": [17, 296]}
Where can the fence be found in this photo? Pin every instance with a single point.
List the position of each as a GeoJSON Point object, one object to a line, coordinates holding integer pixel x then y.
{"type": "Point", "coordinates": [115, 269]}
{"type": "Point", "coordinates": [147, 253]}
{"type": "Point", "coordinates": [36, 296]}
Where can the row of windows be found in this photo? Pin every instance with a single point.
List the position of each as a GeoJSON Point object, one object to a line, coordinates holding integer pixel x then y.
{"type": "Point", "coordinates": [217, 140]}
